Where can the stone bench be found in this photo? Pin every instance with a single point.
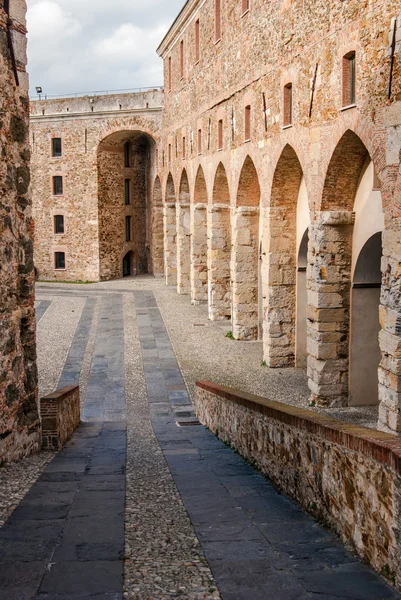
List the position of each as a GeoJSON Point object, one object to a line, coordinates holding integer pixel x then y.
{"type": "Point", "coordinates": [61, 414]}
{"type": "Point", "coordinates": [345, 475]}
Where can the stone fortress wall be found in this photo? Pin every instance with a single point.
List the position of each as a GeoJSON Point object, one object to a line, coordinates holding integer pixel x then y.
{"type": "Point", "coordinates": [94, 131]}
{"type": "Point", "coordinates": [279, 166]}
{"type": "Point", "coordinates": [19, 422]}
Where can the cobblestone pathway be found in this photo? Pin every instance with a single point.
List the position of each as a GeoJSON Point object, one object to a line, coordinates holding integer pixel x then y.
{"type": "Point", "coordinates": [141, 505]}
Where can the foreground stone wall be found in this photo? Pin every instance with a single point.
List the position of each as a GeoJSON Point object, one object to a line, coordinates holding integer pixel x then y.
{"type": "Point", "coordinates": [92, 131]}
{"type": "Point", "coordinates": [227, 117]}
{"type": "Point", "coordinates": [19, 420]}
{"type": "Point", "coordinates": [347, 476]}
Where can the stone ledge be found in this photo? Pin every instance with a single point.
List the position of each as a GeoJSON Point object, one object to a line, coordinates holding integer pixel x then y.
{"type": "Point", "coordinates": [60, 414]}
{"type": "Point", "coordinates": [378, 445]}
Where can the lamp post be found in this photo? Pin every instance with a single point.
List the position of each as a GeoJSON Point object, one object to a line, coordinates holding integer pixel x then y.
{"type": "Point", "coordinates": [39, 92]}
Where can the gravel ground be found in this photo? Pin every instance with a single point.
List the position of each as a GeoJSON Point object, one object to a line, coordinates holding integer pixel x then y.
{"type": "Point", "coordinates": [54, 336]}
{"type": "Point", "coordinates": [164, 559]}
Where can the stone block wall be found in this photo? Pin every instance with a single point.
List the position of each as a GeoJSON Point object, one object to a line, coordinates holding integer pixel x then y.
{"type": "Point", "coordinates": [347, 476]}
{"type": "Point", "coordinates": [19, 418]}
{"type": "Point", "coordinates": [61, 414]}
{"type": "Point", "coordinates": [93, 130]}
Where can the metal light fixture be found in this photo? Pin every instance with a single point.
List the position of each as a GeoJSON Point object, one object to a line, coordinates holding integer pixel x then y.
{"type": "Point", "coordinates": [39, 91]}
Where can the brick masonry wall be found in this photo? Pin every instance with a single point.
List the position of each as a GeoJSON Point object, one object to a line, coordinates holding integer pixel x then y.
{"type": "Point", "coordinates": [61, 414]}
{"type": "Point", "coordinates": [19, 419]}
{"type": "Point", "coordinates": [86, 127]}
{"type": "Point", "coordinates": [327, 146]}
{"type": "Point", "coordinates": [345, 475]}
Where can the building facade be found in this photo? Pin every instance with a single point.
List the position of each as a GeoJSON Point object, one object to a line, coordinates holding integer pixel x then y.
{"type": "Point", "coordinates": [279, 166]}
{"type": "Point", "coordinates": [93, 167]}
{"type": "Point", "coordinates": [19, 419]}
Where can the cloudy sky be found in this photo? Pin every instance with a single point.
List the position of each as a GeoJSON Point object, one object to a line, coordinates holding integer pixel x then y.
{"type": "Point", "coordinates": [90, 45]}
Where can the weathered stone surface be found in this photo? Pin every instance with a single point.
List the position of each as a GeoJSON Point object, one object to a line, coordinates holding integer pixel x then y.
{"type": "Point", "coordinates": [60, 414]}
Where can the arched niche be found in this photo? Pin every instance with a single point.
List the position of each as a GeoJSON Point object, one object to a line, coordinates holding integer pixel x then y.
{"type": "Point", "coordinates": [199, 275]}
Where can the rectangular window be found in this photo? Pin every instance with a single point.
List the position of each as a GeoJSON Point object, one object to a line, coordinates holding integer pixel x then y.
{"type": "Point", "coordinates": [217, 29]}
{"type": "Point", "coordinates": [59, 260]}
{"type": "Point", "coordinates": [197, 41]}
{"type": "Point", "coordinates": [287, 105]}
{"type": "Point", "coordinates": [59, 224]}
{"type": "Point", "coordinates": [349, 79]}
{"type": "Point", "coordinates": [220, 135]}
{"type": "Point", "coordinates": [169, 75]}
{"type": "Point", "coordinates": [127, 191]}
{"type": "Point", "coordinates": [247, 123]}
{"type": "Point", "coordinates": [157, 157]}
{"type": "Point", "coordinates": [183, 147]}
{"type": "Point", "coordinates": [127, 155]}
{"type": "Point", "coordinates": [182, 59]}
{"type": "Point", "coordinates": [127, 229]}
{"type": "Point", "coordinates": [199, 141]}
{"type": "Point", "coordinates": [169, 153]}
{"type": "Point", "coordinates": [58, 185]}
{"type": "Point", "coordinates": [56, 147]}
{"type": "Point", "coordinates": [245, 6]}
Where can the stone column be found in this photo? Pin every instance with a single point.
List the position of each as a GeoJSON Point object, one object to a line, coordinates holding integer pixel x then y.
{"type": "Point", "coordinates": [244, 273]}
{"type": "Point", "coordinates": [170, 243]}
{"type": "Point", "coordinates": [183, 248]}
{"type": "Point", "coordinates": [219, 257]}
{"type": "Point", "coordinates": [329, 284]}
{"type": "Point", "coordinates": [279, 272]}
{"type": "Point", "coordinates": [390, 336]}
{"type": "Point", "coordinates": [199, 253]}
{"type": "Point", "coordinates": [157, 237]}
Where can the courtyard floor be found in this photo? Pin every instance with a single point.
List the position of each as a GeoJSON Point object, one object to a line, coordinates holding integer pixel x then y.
{"type": "Point", "coordinates": [138, 505]}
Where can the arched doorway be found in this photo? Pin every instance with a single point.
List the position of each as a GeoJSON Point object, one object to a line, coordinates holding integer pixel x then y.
{"type": "Point", "coordinates": [286, 281]}
{"type": "Point", "coordinates": [343, 256]}
{"type": "Point", "coordinates": [127, 264]}
{"type": "Point", "coordinates": [245, 302]}
{"type": "Point", "coordinates": [301, 354]}
{"type": "Point", "coordinates": [219, 249]}
{"type": "Point", "coordinates": [199, 281]}
{"type": "Point", "coordinates": [184, 237]}
{"type": "Point", "coordinates": [170, 233]}
{"type": "Point", "coordinates": [124, 167]}
{"type": "Point", "coordinates": [156, 258]}
{"type": "Point", "coordinates": [365, 354]}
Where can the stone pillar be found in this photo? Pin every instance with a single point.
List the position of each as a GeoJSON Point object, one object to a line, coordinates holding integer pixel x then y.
{"type": "Point", "coordinates": [390, 336]}
{"type": "Point", "coordinates": [183, 248]}
{"type": "Point", "coordinates": [219, 257]}
{"type": "Point", "coordinates": [244, 273]}
{"type": "Point", "coordinates": [199, 254]}
{"type": "Point", "coordinates": [157, 237]}
{"type": "Point", "coordinates": [170, 243]}
{"type": "Point", "coordinates": [329, 284]}
{"type": "Point", "coordinates": [279, 269]}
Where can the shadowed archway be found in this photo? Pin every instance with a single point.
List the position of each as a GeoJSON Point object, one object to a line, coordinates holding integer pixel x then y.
{"type": "Point", "coordinates": [199, 277]}
{"type": "Point", "coordinates": [170, 233]}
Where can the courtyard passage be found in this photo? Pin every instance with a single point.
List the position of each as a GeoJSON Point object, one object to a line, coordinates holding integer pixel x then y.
{"type": "Point", "coordinates": [140, 504]}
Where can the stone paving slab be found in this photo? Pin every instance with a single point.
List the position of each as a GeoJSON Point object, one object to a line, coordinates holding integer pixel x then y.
{"type": "Point", "coordinates": [258, 543]}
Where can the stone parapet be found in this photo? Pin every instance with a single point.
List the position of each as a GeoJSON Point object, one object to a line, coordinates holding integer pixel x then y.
{"type": "Point", "coordinates": [345, 475]}
{"type": "Point", "coordinates": [61, 415]}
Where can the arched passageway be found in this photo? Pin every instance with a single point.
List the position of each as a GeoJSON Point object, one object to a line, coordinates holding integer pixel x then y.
{"type": "Point", "coordinates": [345, 252]}
{"type": "Point", "coordinates": [184, 237]}
{"type": "Point", "coordinates": [245, 303]}
{"type": "Point", "coordinates": [199, 276]}
{"type": "Point", "coordinates": [288, 218]}
{"type": "Point", "coordinates": [219, 249]}
{"type": "Point", "coordinates": [124, 171]}
{"type": "Point", "coordinates": [156, 232]}
{"type": "Point", "coordinates": [170, 233]}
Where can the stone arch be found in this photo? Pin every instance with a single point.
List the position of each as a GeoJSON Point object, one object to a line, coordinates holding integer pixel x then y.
{"type": "Point", "coordinates": [332, 295]}
{"type": "Point", "coordinates": [157, 230]}
{"type": "Point", "coordinates": [124, 208]}
{"type": "Point", "coordinates": [221, 190]}
{"type": "Point", "coordinates": [183, 236]}
{"type": "Point", "coordinates": [245, 264]}
{"type": "Point", "coordinates": [170, 232]}
{"type": "Point", "coordinates": [219, 248]}
{"type": "Point", "coordinates": [199, 274]}
{"type": "Point", "coordinates": [281, 261]}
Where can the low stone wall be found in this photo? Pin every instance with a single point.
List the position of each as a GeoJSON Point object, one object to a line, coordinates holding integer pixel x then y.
{"type": "Point", "coordinates": [61, 415]}
{"type": "Point", "coordinates": [347, 476]}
